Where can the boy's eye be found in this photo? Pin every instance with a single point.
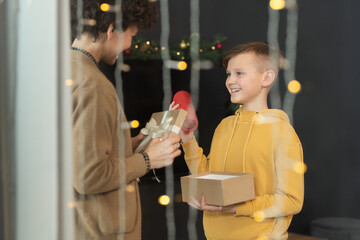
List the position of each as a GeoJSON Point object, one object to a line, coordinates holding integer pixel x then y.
{"type": "Point", "coordinates": [228, 74]}
{"type": "Point", "coordinates": [238, 73]}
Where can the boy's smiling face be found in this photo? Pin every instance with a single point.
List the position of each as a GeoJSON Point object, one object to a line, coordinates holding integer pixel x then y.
{"type": "Point", "coordinates": [244, 78]}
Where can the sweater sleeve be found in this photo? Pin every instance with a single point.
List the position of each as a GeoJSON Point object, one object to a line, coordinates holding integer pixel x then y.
{"type": "Point", "coordinates": [194, 157]}
{"type": "Point", "coordinates": [96, 168]}
{"type": "Point", "coordinates": [288, 196]}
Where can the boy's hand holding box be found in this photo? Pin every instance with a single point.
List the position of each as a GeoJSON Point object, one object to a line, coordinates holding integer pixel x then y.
{"type": "Point", "coordinates": [219, 188]}
{"type": "Point", "coordinates": [165, 123]}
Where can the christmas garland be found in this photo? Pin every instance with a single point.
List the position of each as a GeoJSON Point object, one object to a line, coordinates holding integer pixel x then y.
{"type": "Point", "coordinates": [149, 50]}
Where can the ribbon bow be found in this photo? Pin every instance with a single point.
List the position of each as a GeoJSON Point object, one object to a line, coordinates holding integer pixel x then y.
{"type": "Point", "coordinates": [154, 131]}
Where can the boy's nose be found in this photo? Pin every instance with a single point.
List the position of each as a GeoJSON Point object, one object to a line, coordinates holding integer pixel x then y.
{"type": "Point", "coordinates": [230, 79]}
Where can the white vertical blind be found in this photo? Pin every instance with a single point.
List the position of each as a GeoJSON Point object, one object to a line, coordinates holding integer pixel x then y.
{"type": "Point", "coordinates": [43, 138]}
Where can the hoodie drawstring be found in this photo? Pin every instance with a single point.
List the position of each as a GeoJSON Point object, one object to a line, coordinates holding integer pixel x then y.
{"type": "Point", "coordinates": [232, 133]}
{"type": "Point", "coordinates": [247, 140]}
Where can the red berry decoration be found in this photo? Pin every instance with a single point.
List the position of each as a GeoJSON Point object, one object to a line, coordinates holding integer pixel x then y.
{"type": "Point", "coordinates": [127, 51]}
{"type": "Point", "coordinates": [219, 46]}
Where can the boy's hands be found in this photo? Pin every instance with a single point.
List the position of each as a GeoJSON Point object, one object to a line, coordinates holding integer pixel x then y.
{"type": "Point", "coordinates": [212, 208]}
{"type": "Point", "coordinates": [185, 137]}
{"type": "Point", "coordinates": [162, 151]}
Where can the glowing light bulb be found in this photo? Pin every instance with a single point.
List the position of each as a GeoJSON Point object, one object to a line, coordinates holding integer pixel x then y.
{"type": "Point", "coordinates": [164, 200]}
{"type": "Point", "coordinates": [69, 82]}
{"type": "Point", "coordinates": [259, 216]}
{"type": "Point", "coordinates": [136, 46]}
{"type": "Point", "coordinates": [277, 4]}
{"type": "Point", "coordinates": [300, 167]}
{"type": "Point", "coordinates": [213, 47]}
{"type": "Point", "coordinates": [182, 65]}
{"type": "Point", "coordinates": [134, 123]}
{"type": "Point", "coordinates": [294, 86]}
{"type": "Point", "coordinates": [162, 48]}
{"type": "Point", "coordinates": [201, 50]}
{"type": "Point", "coordinates": [105, 7]}
{"type": "Point", "coordinates": [147, 42]}
{"type": "Point", "coordinates": [178, 53]}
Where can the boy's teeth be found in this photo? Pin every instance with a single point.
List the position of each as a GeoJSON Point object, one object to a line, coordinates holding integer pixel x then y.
{"type": "Point", "coordinates": [235, 90]}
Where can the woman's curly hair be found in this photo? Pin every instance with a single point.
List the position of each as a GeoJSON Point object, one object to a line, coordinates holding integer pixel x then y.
{"type": "Point", "coordinates": [139, 13]}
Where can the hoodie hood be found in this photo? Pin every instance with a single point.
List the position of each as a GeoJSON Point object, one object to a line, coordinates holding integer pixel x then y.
{"type": "Point", "coordinates": [263, 116]}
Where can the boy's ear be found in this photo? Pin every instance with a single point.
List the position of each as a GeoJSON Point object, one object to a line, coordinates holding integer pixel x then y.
{"type": "Point", "coordinates": [269, 78]}
{"type": "Point", "coordinates": [110, 32]}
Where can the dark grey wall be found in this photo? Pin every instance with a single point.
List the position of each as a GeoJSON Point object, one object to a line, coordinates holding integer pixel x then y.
{"type": "Point", "coordinates": [327, 111]}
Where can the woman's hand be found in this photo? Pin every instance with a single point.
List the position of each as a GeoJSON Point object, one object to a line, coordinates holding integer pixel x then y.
{"type": "Point", "coordinates": [212, 208]}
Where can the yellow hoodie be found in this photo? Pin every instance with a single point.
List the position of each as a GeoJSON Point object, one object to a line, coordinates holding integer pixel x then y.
{"type": "Point", "coordinates": [265, 144]}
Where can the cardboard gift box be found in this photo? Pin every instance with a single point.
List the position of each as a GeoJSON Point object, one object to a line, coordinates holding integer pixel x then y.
{"type": "Point", "coordinates": [219, 188]}
{"type": "Point", "coordinates": [161, 124]}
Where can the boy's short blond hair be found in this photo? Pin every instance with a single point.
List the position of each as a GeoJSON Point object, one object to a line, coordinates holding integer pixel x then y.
{"type": "Point", "coordinates": [270, 58]}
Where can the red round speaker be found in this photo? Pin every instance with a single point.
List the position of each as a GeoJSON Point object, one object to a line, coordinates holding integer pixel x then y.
{"type": "Point", "coordinates": [183, 98]}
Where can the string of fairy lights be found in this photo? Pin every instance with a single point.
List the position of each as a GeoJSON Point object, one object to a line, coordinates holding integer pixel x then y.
{"type": "Point", "coordinates": [199, 53]}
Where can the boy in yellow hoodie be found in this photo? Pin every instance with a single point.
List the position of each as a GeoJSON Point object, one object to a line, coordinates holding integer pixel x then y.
{"type": "Point", "coordinates": [255, 140]}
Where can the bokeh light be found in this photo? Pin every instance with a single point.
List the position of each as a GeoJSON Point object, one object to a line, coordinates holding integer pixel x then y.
{"type": "Point", "coordinates": [277, 4]}
{"type": "Point", "coordinates": [71, 204]}
{"type": "Point", "coordinates": [300, 167]}
{"type": "Point", "coordinates": [130, 188]}
{"type": "Point", "coordinates": [259, 216]}
{"type": "Point", "coordinates": [134, 124]}
{"type": "Point", "coordinates": [69, 82]}
{"type": "Point", "coordinates": [182, 65]}
{"type": "Point", "coordinates": [105, 7]}
{"type": "Point", "coordinates": [164, 200]}
{"type": "Point", "coordinates": [294, 86]}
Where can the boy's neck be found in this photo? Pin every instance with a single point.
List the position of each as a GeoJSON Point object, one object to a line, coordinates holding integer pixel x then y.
{"type": "Point", "coordinates": [256, 105]}
{"type": "Point", "coordinates": [255, 108]}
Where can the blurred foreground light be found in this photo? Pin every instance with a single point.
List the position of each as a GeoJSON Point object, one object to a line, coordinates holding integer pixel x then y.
{"type": "Point", "coordinates": [164, 200]}
{"type": "Point", "coordinates": [294, 86]}
{"type": "Point", "coordinates": [71, 204]}
{"type": "Point", "coordinates": [89, 22]}
{"type": "Point", "coordinates": [124, 67]}
{"type": "Point", "coordinates": [300, 168]}
{"type": "Point", "coordinates": [182, 65]}
{"type": "Point", "coordinates": [69, 82]}
{"type": "Point", "coordinates": [259, 216]}
{"type": "Point", "coordinates": [134, 124]}
{"type": "Point", "coordinates": [105, 7]}
{"type": "Point", "coordinates": [277, 4]}
{"type": "Point", "coordinates": [130, 188]}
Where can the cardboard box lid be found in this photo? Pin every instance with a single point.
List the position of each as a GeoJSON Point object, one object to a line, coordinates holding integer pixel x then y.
{"type": "Point", "coordinates": [219, 188]}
